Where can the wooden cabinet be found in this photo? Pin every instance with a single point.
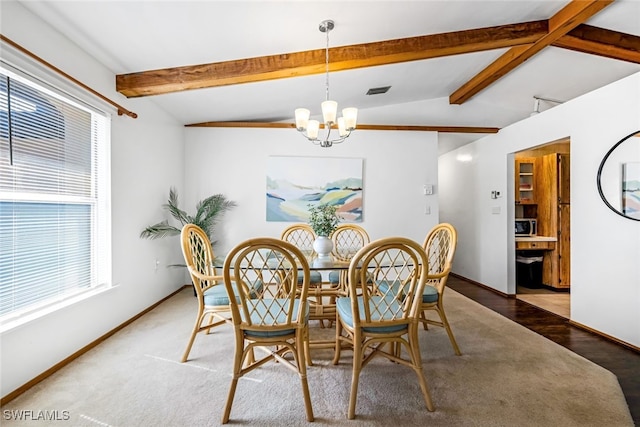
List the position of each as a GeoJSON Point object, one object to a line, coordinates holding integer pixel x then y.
{"type": "Point", "coordinates": [554, 212]}
{"type": "Point", "coordinates": [525, 181]}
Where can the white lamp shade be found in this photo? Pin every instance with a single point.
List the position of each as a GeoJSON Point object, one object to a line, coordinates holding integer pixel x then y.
{"type": "Point", "coordinates": [329, 111]}
{"type": "Point", "coordinates": [350, 118]}
{"type": "Point", "coordinates": [312, 129]}
{"type": "Point", "coordinates": [341, 128]}
{"type": "Point", "coordinates": [302, 118]}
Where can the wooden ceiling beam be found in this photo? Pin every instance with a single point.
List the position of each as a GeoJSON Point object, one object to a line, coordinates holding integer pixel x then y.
{"type": "Point", "coordinates": [310, 62]}
{"type": "Point", "coordinates": [568, 18]}
{"type": "Point", "coordinates": [598, 41]}
{"type": "Point", "coordinates": [419, 128]}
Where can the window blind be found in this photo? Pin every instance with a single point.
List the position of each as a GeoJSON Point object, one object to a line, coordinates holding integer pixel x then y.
{"type": "Point", "coordinates": [54, 197]}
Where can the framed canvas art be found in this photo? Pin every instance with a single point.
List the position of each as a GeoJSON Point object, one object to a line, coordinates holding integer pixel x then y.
{"type": "Point", "coordinates": [295, 183]}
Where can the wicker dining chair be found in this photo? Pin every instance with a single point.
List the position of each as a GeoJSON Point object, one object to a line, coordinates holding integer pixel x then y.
{"type": "Point", "coordinates": [375, 323]}
{"type": "Point", "coordinates": [302, 236]}
{"type": "Point", "coordinates": [347, 240]}
{"type": "Point", "coordinates": [210, 291]}
{"type": "Point", "coordinates": [276, 320]}
{"type": "Point", "coordinates": [440, 247]}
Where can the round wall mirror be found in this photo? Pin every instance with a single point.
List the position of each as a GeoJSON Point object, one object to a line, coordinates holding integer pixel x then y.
{"type": "Point", "coordinates": [619, 177]}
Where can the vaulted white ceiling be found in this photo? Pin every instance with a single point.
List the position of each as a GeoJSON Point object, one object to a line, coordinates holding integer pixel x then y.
{"type": "Point", "coordinates": [137, 36]}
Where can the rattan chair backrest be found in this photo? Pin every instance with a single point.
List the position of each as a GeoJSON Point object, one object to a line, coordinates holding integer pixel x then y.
{"type": "Point", "coordinates": [301, 236]}
{"type": "Point", "coordinates": [198, 256]}
{"type": "Point", "coordinates": [440, 246]}
{"type": "Point", "coordinates": [347, 240]}
{"type": "Point", "coordinates": [281, 303]}
{"type": "Point", "coordinates": [401, 264]}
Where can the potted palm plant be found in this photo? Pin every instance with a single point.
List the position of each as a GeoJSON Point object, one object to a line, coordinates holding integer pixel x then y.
{"type": "Point", "coordinates": [208, 212]}
{"type": "Point", "coordinates": [323, 218]}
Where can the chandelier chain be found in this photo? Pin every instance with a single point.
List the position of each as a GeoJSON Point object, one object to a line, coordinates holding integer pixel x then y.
{"type": "Point", "coordinates": [326, 62]}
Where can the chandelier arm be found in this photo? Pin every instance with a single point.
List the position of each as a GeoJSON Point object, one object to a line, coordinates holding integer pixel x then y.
{"type": "Point", "coordinates": [326, 140]}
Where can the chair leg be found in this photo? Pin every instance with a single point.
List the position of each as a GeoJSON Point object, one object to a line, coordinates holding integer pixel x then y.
{"type": "Point", "coordinates": [192, 338]}
{"type": "Point", "coordinates": [447, 327]}
{"type": "Point", "coordinates": [227, 408]}
{"type": "Point", "coordinates": [338, 345]}
{"type": "Point", "coordinates": [357, 367]}
{"type": "Point", "coordinates": [423, 319]}
{"type": "Point", "coordinates": [302, 348]}
{"type": "Point", "coordinates": [211, 317]}
{"type": "Point", "coordinates": [237, 373]}
{"type": "Point", "coordinates": [307, 348]}
{"type": "Point", "coordinates": [251, 358]}
{"type": "Point", "coordinates": [416, 359]}
{"type": "Point", "coordinates": [394, 348]}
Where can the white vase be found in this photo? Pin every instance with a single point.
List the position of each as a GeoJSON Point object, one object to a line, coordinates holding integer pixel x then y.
{"type": "Point", "coordinates": [323, 246]}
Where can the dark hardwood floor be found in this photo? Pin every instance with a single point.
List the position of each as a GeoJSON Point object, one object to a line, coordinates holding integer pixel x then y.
{"type": "Point", "coordinates": [618, 359]}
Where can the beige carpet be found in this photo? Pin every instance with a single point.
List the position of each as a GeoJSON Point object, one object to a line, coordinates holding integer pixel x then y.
{"type": "Point", "coordinates": [507, 376]}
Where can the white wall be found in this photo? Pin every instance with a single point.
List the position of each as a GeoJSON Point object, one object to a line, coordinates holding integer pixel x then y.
{"type": "Point", "coordinates": [605, 248]}
{"type": "Point", "coordinates": [234, 161]}
{"type": "Point", "coordinates": [147, 158]}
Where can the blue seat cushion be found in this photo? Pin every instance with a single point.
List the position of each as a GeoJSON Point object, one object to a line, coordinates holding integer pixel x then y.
{"type": "Point", "coordinates": [262, 307]}
{"type": "Point", "coordinates": [316, 277]}
{"type": "Point", "coordinates": [334, 277]}
{"type": "Point", "coordinates": [343, 305]}
{"type": "Point", "coordinates": [217, 295]}
{"type": "Point", "coordinates": [429, 294]}
{"type": "Point", "coordinates": [385, 286]}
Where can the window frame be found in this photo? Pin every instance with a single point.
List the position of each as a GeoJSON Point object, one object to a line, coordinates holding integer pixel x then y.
{"type": "Point", "coordinates": [98, 202]}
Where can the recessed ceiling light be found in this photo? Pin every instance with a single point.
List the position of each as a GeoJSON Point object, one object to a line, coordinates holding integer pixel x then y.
{"type": "Point", "coordinates": [378, 90]}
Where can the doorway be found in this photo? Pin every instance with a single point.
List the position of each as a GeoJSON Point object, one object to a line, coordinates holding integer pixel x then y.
{"type": "Point", "coordinates": [542, 193]}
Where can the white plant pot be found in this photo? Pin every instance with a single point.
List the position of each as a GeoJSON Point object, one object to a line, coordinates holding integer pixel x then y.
{"type": "Point", "coordinates": [323, 246]}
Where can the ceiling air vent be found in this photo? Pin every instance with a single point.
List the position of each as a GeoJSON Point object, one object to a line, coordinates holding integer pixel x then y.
{"type": "Point", "coordinates": [378, 90]}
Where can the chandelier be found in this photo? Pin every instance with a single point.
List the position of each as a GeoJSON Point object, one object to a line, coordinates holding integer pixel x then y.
{"type": "Point", "coordinates": [346, 124]}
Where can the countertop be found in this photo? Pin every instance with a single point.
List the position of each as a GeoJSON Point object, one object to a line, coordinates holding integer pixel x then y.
{"type": "Point", "coordinates": [536, 239]}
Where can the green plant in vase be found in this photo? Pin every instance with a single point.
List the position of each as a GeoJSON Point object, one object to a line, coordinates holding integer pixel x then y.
{"type": "Point", "coordinates": [323, 218]}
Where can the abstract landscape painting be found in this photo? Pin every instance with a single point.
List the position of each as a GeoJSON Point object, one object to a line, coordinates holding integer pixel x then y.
{"type": "Point", "coordinates": [631, 189]}
{"type": "Point", "coordinates": [294, 183]}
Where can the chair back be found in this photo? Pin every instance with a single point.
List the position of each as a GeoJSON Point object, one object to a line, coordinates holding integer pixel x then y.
{"type": "Point", "coordinates": [301, 236]}
{"type": "Point", "coordinates": [347, 240]}
{"type": "Point", "coordinates": [401, 265]}
{"type": "Point", "coordinates": [198, 256]}
{"type": "Point", "coordinates": [281, 303]}
{"type": "Point", "coordinates": [440, 246]}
